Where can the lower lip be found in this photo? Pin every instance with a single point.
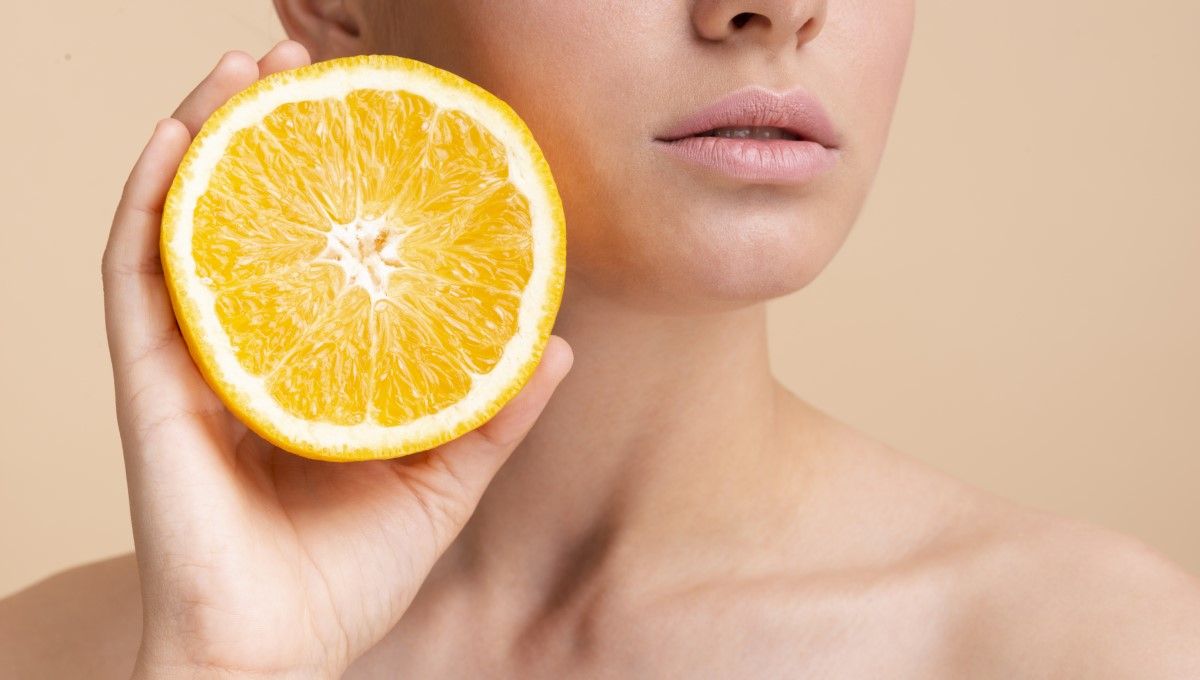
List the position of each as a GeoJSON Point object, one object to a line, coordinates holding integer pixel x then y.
{"type": "Point", "coordinates": [771, 161]}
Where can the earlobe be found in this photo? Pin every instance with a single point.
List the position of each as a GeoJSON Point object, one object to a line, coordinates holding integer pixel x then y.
{"type": "Point", "coordinates": [327, 28]}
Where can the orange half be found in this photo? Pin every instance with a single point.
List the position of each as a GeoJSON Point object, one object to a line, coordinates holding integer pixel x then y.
{"type": "Point", "coordinates": [365, 256]}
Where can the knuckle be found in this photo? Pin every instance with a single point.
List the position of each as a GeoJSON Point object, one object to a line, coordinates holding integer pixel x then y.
{"type": "Point", "coordinates": [154, 346]}
{"type": "Point", "coordinates": [500, 434]}
{"type": "Point", "coordinates": [453, 482]}
{"type": "Point", "coordinates": [106, 265]}
{"type": "Point", "coordinates": [126, 192]}
{"type": "Point", "coordinates": [446, 513]}
{"type": "Point", "coordinates": [441, 498]}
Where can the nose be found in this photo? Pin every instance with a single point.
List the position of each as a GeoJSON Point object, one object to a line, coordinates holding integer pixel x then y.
{"type": "Point", "coordinates": [776, 24]}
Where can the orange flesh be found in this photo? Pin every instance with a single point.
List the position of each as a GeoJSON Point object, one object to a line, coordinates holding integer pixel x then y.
{"type": "Point", "coordinates": [367, 254]}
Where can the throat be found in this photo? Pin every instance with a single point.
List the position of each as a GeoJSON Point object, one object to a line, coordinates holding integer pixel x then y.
{"type": "Point", "coordinates": [649, 445]}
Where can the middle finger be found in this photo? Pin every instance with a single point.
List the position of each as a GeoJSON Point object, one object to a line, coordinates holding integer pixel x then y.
{"type": "Point", "coordinates": [235, 72]}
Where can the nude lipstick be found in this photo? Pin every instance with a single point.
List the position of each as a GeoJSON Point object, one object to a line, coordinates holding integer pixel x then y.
{"type": "Point", "coordinates": [757, 136]}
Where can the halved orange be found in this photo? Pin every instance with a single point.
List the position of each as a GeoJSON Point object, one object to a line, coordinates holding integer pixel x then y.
{"type": "Point", "coordinates": [365, 256]}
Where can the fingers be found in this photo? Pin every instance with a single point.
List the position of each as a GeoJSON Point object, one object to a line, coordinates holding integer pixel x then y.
{"type": "Point", "coordinates": [139, 317]}
{"type": "Point", "coordinates": [287, 54]}
{"type": "Point", "coordinates": [508, 427]}
{"type": "Point", "coordinates": [474, 458]}
{"type": "Point", "coordinates": [136, 307]}
{"type": "Point", "coordinates": [235, 72]}
{"type": "Point", "coordinates": [140, 310]}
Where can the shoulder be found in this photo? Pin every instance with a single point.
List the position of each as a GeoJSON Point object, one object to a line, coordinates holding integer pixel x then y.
{"type": "Point", "coordinates": [1017, 588]}
{"type": "Point", "coordinates": [1052, 596]}
{"type": "Point", "coordinates": [82, 622]}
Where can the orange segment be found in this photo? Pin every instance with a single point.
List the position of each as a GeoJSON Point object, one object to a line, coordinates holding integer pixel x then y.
{"type": "Point", "coordinates": [403, 394]}
{"type": "Point", "coordinates": [334, 351]}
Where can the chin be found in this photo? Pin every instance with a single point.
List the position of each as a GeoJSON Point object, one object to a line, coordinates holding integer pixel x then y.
{"type": "Point", "coordinates": [745, 261]}
{"type": "Point", "coordinates": [736, 279]}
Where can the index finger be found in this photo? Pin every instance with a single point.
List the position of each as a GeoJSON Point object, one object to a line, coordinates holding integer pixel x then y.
{"type": "Point", "coordinates": [137, 310]}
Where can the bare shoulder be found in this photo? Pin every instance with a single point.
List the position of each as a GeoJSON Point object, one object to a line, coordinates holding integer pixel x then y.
{"type": "Point", "coordinates": [1052, 597]}
{"type": "Point", "coordinates": [1035, 595]}
{"type": "Point", "coordinates": [82, 622]}
{"type": "Point", "coordinates": [1022, 593]}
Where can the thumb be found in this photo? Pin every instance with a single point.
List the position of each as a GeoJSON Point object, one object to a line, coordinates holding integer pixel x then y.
{"type": "Point", "coordinates": [508, 427]}
{"type": "Point", "coordinates": [459, 470]}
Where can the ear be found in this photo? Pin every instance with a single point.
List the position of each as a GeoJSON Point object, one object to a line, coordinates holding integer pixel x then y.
{"type": "Point", "coordinates": [328, 28]}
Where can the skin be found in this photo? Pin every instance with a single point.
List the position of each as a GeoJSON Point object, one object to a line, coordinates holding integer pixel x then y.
{"type": "Point", "coordinates": [673, 511]}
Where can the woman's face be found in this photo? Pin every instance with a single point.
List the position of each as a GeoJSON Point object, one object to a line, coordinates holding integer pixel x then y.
{"type": "Point", "coordinates": [598, 80]}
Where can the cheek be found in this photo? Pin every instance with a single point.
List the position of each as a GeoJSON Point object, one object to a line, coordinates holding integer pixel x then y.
{"type": "Point", "coordinates": [869, 43]}
{"type": "Point", "coordinates": [561, 71]}
{"type": "Point", "coordinates": [531, 53]}
{"type": "Point", "coordinates": [650, 241]}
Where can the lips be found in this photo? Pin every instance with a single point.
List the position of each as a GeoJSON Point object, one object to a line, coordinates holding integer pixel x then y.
{"type": "Point", "coordinates": [796, 113]}
{"type": "Point", "coordinates": [754, 135]}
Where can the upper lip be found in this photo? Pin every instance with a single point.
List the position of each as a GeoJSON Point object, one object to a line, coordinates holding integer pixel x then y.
{"type": "Point", "coordinates": [796, 111]}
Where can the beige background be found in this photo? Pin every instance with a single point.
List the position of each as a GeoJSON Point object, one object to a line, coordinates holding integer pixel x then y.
{"type": "Point", "coordinates": [1018, 304]}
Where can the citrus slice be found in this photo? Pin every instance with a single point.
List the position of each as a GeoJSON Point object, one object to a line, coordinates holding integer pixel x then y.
{"type": "Point", "coordinates": [365, 256]}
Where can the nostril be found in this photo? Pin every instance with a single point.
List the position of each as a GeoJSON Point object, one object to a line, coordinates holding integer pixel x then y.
{"type": "Point", "coordinates": [742, 19]}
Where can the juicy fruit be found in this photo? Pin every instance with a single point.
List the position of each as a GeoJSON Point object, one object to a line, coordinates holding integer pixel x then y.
{"type": "Point", "coordinates": [365, 256]}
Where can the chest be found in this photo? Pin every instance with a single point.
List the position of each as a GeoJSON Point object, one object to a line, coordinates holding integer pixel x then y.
{"type": "Point", "coordinates": [824, 635]}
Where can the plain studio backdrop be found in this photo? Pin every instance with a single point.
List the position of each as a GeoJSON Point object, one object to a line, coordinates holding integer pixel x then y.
{"type": "Point", "coordinates": [1018, 304]}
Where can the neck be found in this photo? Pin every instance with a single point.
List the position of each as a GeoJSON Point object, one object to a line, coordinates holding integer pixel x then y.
{"type": "Point", "coordinates": [660, 419]}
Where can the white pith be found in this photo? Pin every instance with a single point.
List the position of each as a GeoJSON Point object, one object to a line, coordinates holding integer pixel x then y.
{"type": "Point", "coordinates": [370, 270]}
{"type": "Point", "coordinates": [352, 248]}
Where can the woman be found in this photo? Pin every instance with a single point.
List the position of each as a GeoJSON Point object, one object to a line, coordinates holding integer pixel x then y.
{"type": "Point", "coordinates": [673, 511]}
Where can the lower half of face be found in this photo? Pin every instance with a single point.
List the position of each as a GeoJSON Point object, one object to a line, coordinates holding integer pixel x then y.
{"type": "Point", "coordinates": [599, 81]}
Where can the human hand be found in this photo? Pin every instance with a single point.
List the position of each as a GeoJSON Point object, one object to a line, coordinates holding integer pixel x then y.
{"type": "Point", "coordinates": [254, 561]}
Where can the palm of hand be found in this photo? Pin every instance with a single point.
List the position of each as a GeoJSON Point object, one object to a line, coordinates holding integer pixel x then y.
{"type": "Point", "coordinates": [281, 561]}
